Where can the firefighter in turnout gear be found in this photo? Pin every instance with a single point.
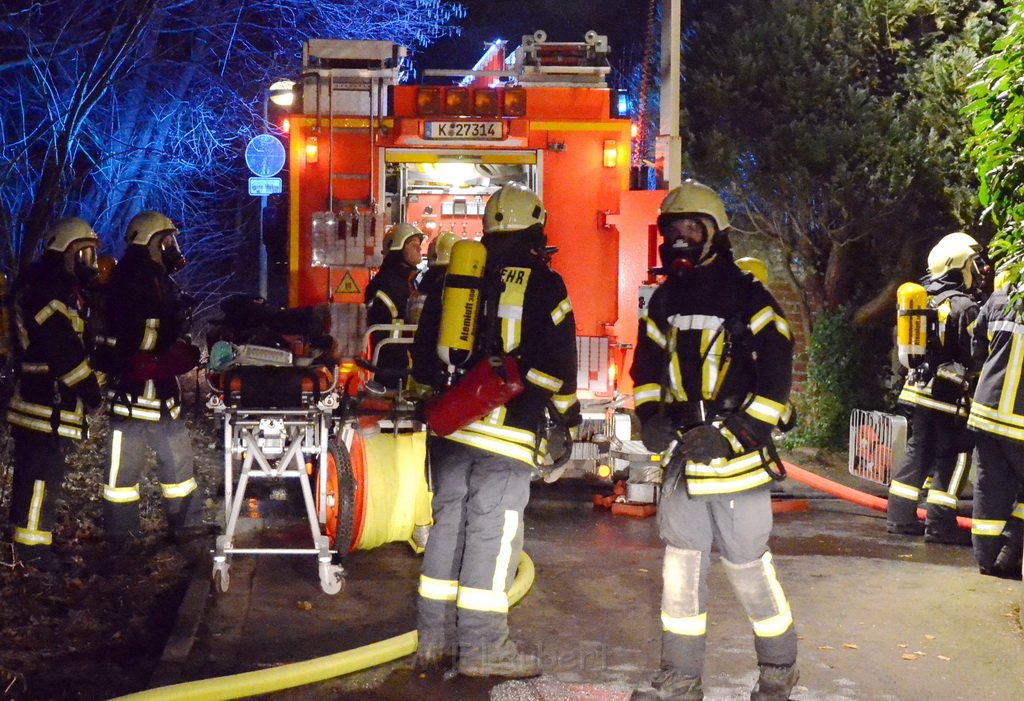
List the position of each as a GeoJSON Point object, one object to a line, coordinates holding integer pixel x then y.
{"type": "Point", "coordinates": [997, 419]}
{"type": "Point", "coordinates": [712, 374]}
{"type": "Point", "coordinates": [387, 299]}
{"type": "Point", "coordinates": [938, 394]}
{"type": "Point", "coordinates": [439, 253]}
{"type": "Point", "coordinates": [148, 320]}
{"type": "Point", "coordinates": [482, 472]}
{"type": "Point", "coordinates": [55, 383]}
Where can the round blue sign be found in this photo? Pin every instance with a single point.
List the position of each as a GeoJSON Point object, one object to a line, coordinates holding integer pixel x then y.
{"type": "Point", "coordinates": [265, 156]}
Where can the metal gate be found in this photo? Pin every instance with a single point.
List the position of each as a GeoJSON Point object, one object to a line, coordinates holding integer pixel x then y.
{"type": "Point", "coordinates": [878, 442]}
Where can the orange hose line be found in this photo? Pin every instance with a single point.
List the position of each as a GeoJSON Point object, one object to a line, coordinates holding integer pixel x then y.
{"type": "Point", "coordinates": [850, 494]}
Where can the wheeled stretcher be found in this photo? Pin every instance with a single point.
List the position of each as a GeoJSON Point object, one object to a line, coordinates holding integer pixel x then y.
{"type": "Point", "coordinates": [277, 424]}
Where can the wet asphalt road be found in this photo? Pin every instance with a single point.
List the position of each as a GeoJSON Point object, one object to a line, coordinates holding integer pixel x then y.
{"type": "Point", "coordinates": [880, 617]}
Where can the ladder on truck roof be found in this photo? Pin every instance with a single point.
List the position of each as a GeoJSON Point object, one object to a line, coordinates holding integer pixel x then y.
{"type": "Point", "coordinates": [540, 62]}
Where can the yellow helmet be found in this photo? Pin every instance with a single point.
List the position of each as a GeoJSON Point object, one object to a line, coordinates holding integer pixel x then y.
{"type": "Point", "coordinates": [399, 235]}
{"type": "Point", "coordinates": [439, 252]}
{"type": "Point", "coordinates": [145, 226]}
{"type": "Point", "coordinates": [754, 266]}
{"type": "Point", "coordinates": [513, 208]}
{"type": "Point", "coordinates": [692, 197]}
{"type": "Point", "coordinates": [956, 251]}
{"type": "Point", "coordinates": [66, 232]}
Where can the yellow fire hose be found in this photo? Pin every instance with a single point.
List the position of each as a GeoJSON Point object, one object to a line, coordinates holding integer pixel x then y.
{"type": "Point", "coordinates": [286, 676]}
{"type": "Point", "coordinates": [394, 489]}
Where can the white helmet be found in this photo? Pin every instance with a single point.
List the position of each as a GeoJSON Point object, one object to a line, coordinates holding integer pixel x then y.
{"type": "Point", "coordinates": [159, 235]}
{"type": "Point", "coordinates": [692, 197]}
{"type": "Point", "coordinates": [513, 208]}
{"type": "Point", "coordinates": [439, 252]}
{"type": "Point", "coordinates": [67, 231]}
{"type": "Point", "coordinates": [146, 225]}
{"type": "Point", "coordinates": [956, 251]}
{"type": "Point", "coordinates": [76, 242]}
{"type": "Point", "coordinates": [399, 235]}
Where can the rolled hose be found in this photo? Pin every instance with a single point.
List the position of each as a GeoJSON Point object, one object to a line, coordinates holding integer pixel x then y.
{"type": "Point", "coordinates": [850, 494]}
{"type": "Point", "coordinates": [287, 676]}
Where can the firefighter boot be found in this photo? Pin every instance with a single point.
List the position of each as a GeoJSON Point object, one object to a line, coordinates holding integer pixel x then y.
{"type": "Point", "coordinates": [434, 657]}
{"type": "Point", "coordinates": [37, 557]}
{"type": "Point", "coordinates": [1007, 564]}
{"type": "Point", "coordinates": [774, 683]}
{"type": "Point", "coordinates": [505, 660]}
{"type": "Point", "coordinates": [947, 535]}
{"type": "Point", "coordinates": [915, 528]}
{"type": "Point", "coordinates": [671, 685]}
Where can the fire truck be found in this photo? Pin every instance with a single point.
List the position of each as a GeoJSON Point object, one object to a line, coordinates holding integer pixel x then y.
{"type": "Point", "coordinates": [367, 151]}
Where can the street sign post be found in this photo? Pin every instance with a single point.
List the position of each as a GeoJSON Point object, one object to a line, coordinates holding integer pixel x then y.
{"type": "Point", "coordinates": [265, 156]}
{"type": "Point", "coordinates": [265, 186]}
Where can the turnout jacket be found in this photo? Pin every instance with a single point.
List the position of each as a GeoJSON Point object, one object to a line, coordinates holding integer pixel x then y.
{"type": "Point", "coordinates": [55, 381]}
{"type": "Point", "coordinates": [714, 342]}
{"type": "Point", "coordinates": [387, 297]}
{"type": "Point", "coordinates": [956, 312]}
{"type": "Point", "coordinates": [998, 340]}
{"type": "Point", "coordinates": [145, 317]}
{"type": "Point", "coordinates": [536, 326]}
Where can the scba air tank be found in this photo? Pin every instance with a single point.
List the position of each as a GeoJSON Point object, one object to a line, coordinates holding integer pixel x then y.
{"type": "Point", "coordinates": [460, 302]}
{"type": "Point", "coordinates": [911, 324]}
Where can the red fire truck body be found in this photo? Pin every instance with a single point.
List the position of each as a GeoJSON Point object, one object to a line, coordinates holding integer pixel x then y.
{"type": "Point", "coordinates": [367, 152]}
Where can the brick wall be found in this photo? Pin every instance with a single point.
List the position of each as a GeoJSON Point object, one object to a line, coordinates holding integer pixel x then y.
{"type": "Point", "coordinates": [789, 300]}
{"type": "Point", "coordinates": [787, 296]}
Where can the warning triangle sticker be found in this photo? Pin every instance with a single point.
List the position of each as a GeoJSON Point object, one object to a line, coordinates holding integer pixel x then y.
{"type": "Point", "coordinates": [347, 286]}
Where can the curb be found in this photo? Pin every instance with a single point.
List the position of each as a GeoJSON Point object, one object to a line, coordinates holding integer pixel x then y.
{"type": "Point", "coordinates": [170, 669]}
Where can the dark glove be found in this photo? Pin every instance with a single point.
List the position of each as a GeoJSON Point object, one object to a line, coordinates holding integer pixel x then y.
{"type": "Point", "coordinates": [703, 444]}
{"type": "Point", "coordinates": [657, 433]}
{"type": "Point", "coordinates": [788, 421]}
{"type": "Point", "coordinates": [750, 433]}
{"type": "Point", "coordinates": [180, 358]}
{"type": "Point", "coordinates": [176, 360]}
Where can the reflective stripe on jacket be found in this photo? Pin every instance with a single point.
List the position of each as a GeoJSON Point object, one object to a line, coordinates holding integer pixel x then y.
{"type": "Point", "coordinates": [145, 315]}
{"type": "Point", "coordinates": [55, 380]}
{"type": "Point", "coordinates": [714, 341]}
{"type": "Point", "coordinates": [537, 326]}
{"type": "Point", "coordinates": [998, 405]}
{"type": "Point", "coordinates": [956, 314]}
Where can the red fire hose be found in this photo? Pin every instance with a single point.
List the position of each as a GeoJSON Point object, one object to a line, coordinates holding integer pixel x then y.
{"type": "Point", "coordinates": [849, 494]}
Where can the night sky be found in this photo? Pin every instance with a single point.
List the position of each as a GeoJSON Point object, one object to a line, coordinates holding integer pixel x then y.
{"type": "Point", "coordinates": [623, 21]}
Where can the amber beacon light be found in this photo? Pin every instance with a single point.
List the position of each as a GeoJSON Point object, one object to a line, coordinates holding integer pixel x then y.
{"type": "Point", "coordinates": [611, 153]}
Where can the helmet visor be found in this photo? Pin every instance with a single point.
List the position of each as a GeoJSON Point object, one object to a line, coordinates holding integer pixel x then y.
{"type": "Point", "coordinates": [170, 252]}
{"type": "Point", "coordinates": [85, 257]}
{"type": "Point", "coordinates": [81, 260]}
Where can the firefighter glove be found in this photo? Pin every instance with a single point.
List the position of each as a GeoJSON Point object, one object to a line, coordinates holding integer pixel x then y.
{"type": "Point", "coordinates": [703, 444]}
{"type": "Point", "coordinates": [180, 358]}
{"type": "Point", "coordinates": [657, 433]}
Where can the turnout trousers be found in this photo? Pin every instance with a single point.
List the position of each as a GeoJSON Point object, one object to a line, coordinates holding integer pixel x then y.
{"type": "Point", "coordinates": [129, 439]}
{"type": "Point", "coordinates": [739, 524]}
{"type": "Point", "coordinates": [998, 515]}
{"type": "Point", "coordinates": [39, 467]}
{"type": "Point", "coordinates": [473, 548]}
{"type": "Point", "coordinates": [938, 447]}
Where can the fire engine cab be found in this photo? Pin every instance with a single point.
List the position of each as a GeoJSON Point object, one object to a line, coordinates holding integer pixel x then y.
{"type": "Point", "coordinates": [367, 152]}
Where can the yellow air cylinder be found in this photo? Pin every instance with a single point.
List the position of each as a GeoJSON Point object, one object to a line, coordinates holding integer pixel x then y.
{"type": "Point", "coordinates": [460, 302]}
{"type": "Point", "coordinates": [754, 266]}
{"type": "Point", "coordinates": [911, 323]}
